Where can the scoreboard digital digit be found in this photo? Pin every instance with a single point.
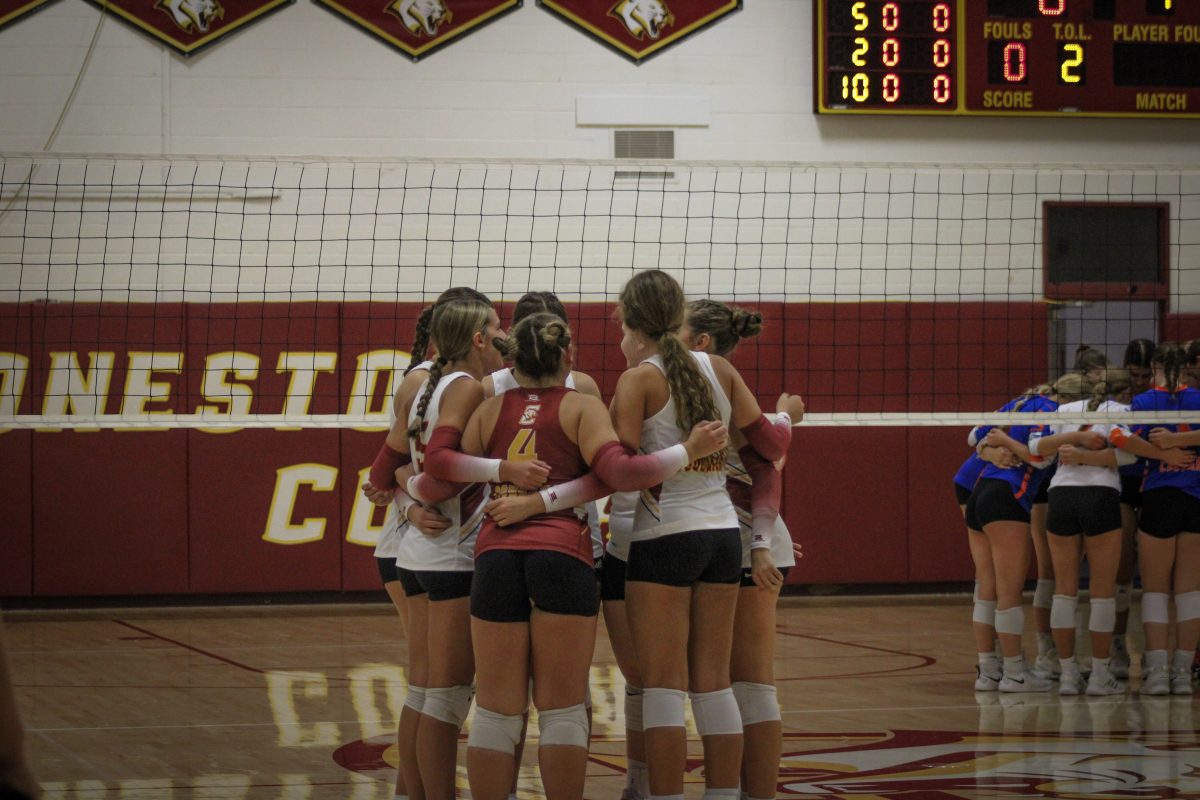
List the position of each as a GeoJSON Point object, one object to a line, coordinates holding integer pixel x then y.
{"type": "Point", "coordinates": [1092, 58]}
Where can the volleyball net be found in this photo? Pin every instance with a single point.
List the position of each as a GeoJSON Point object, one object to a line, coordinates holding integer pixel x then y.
{"type": "Point", "coordinates": [227, 293]}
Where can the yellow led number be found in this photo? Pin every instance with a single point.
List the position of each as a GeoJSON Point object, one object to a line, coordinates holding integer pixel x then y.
{"type": "Point", "coordinates": [1074, 53]}
{"type": "Point", "coordinates": [524, 446]}
{"type": "Point", "coordinates": [860, 18]}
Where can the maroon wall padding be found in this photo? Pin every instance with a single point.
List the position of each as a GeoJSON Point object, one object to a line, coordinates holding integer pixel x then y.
{"type": "Point", "coordinates": [16, 500]}
{"type": "Point", "coordinates": [110, 513]}
{"type": "Point", "coordinates": [169, 512]}
{"type": "Point", "coordinates": [1180, 327]}
{"type": "Point", "coordinates": [937, 543]}
{"type": "Point", "coordinates": [232, 488]}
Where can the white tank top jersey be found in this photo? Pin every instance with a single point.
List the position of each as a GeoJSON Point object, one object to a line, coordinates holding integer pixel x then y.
{"type": "Point", "coordinates": [694, 498]}
{"type": "Point", "coordinates": [453, 550]}
{"type": "Point", "coordinates": [503, 381]}
{"type": "Point", "coordinates": [393, 531]}
{"type": "Point", "coordinates": [620, 523]}
{"type": "Point", "coordinates": [781, 539]}
{"type": "Point", "coordinates": [1079, 474]}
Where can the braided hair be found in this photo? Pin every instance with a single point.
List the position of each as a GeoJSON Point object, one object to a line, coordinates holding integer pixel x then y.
{"type": "Point", "coordinates": [421, 336]}
{"type": "Point", "coordinates": [652, 303]}
{"type": "Point", "coordinates": [726, 325]}
{"type": "Point", "coordinates": [1171, 359]}
{"type": "Point", "coordinates": [538, 344]}
{"type": "Point", "coordinates": [452, 328]}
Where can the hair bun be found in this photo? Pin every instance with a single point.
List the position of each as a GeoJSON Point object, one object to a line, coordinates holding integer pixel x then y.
{"type": "Point", "coordinates": [746, 323]}
{"type": "Point", "coordinates": [556, 334]}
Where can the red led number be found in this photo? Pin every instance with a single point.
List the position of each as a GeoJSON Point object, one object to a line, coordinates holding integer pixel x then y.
{"type": "Point", "coordinates": [941, 89]}
{"type": "Point", "coordinates": [941, 18]}
{"type": "Point", "coordinates": [891, 16]}
{"type": "Point", "coordinates": [1052, 8]}
{"type": "Point", "coordinates": [1014, 62]}
{"type": "Point", "coordinates": [941, 53]}
{"type": "Point", "coordinates": [891, 52]}
{"type": "Point", "coordinates": [891, 87]}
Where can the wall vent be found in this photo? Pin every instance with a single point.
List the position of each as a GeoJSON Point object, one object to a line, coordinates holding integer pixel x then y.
{"type": "Point", "coordinates": [642, 145]}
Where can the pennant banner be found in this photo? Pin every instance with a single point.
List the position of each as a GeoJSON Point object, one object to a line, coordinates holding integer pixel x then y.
{"type": "Point", "coordinates": [420, 27]}
{"type": "Point", "coordinates": [188, 26]}
{"type": "Point", "coordinates": [639, 29]}
{"type": "Point", "coordinates": [13, 10]}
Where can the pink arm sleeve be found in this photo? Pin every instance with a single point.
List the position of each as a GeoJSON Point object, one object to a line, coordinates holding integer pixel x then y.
{"type": "Point", "coordinates": [618, 467]}
{"type": "Point", "coordinates": [770, 439]}
{"type": "Point", "coordinates": [445, 461]}
{"type": "Point", "coordinates": [383, 469]}
{"type": "Point", "coordinates": [426, 489]}
{"type": "Point", "coordinates": [766, 491]}
{"type": "Point", "coordinates": [582, 490]}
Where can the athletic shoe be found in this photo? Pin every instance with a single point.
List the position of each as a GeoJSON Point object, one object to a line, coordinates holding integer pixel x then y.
{"type": "Point", "coordinates": [1118, 662]}
{"type": "Point", "coordinates": [1047, 665]}
{"type": "Point", "coordinates": [1098, 687]}
{"type": "Point", "coordinates": [1071, 683]}
{"type": "Point", "coordinates": [986, 681]}
{"type": "Point", "coordinates": [1025, 681]}
{"type": "Point", "coordinates": [1156, 681]}
{"type": "Point", "coordinates": [1181, 681]}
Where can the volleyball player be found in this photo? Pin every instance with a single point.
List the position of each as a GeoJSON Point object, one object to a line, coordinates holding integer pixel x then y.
{"type": "Point", "coordinates": [1137, 361]}
{"type": "Point", "coordinates": [1000, 507]}
{"type": "Point", "coordinates": [767, 555]}
{"type": "Point", "coordinates": [1169, 529]}
{"type": "Point", "coordinates": [1085, 516]}
{"type": "Point", "coordinates": [410, 600]}
{"type": "Point", "coordinates": [535, 598]}
{"type": "Point", "coordinates": [685, 559]}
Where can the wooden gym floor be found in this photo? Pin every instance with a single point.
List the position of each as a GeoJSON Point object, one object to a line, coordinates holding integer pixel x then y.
{"type": "Point", "coordinates": [299, 703]}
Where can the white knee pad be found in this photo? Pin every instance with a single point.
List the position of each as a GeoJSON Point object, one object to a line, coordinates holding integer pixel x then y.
{"type": "Point", "coordinates": [1043, 595]}
{"type": "Point", "coordinates": [492, 731]}
{"type": "Point", "coordinates": [662, 708]}
{"type": "Point", "coordinates": [757, 702]}
{"type": "Point", "coordinates": [587, 698]}
{"type": "Point", "coordinates": [1010, 620]}
{"type": "Point", "coordinates": [633, 708]}
{"type": "Point", "coordinates": [984, 612]}
{"type": "Point", "coordinates": [1062, 611]}
{"type": "Point", "coordinates": [1154, 607]}
{"type": "Point", "coordinates": [1187, 606]}
{"type": "Point", "coordinates": [1102, 616]}
{"type": "Point", "coordinates": [716, 713]}
{"type": "Point", "coordinates": [975, 593]}
{"type": "Point", "coordinates": [564, 726]}
{"type": "Point", "coordinates": [449, 704]}
{"type": "Point", "coordinates": [415, 699]}
{"type": "Point", "coordinates": [1124, 594]}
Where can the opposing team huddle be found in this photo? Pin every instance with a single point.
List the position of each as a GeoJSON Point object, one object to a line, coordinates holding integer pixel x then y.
{"type": "Point", "coordinates": [494, 558]}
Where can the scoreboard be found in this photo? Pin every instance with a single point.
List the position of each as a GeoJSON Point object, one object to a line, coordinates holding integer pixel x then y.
{"type": "Point", "coordinates": [1091, 58]}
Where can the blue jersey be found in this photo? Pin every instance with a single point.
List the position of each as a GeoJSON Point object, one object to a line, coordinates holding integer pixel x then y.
{"type": "Point", "coordinates": [969, 472]}
{"type": "Point", "coordinates": [1158, 474]}
{"type": "Point", "coordinates": [1025, 479]}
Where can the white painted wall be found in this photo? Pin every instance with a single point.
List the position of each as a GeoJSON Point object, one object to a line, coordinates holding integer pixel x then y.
{"type": "Point", "coordinates": [303, 82]}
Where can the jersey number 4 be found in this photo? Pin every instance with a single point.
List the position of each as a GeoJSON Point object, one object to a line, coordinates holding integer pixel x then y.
{"type": "Point", "coordinates": [524, 446]}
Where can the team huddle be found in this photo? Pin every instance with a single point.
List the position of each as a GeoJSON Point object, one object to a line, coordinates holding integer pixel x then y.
{"type": "Point", "coordinates": [494, 558]}
{"type": "Point", "coordinates": [1127, 496]}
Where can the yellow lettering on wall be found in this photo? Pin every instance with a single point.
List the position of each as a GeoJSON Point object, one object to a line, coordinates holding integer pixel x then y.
{"type": "Point", "coordinates": [304, 368]}
{"type": "Point", "coordinates": [281, 693]}
{"type": "Point", "coordinates": [14, 368]}
{"type": "Point", "coordinates": [374, 366]}
{"type": "Point", "coordinates": [72, 390]}
{"type": "Point", "coordinates": [288, 480]}
{"type": "Point", "coordinates": [140, 387]}
{"type": "Point", "coordinates": [221, 385]}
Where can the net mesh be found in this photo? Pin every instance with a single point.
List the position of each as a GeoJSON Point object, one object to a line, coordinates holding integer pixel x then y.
{"type": "Point", "coordinates": [225, 293]}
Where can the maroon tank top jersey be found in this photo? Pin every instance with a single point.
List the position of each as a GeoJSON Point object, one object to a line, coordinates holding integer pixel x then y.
{"type": "Point", "coordinates": [527, 428]}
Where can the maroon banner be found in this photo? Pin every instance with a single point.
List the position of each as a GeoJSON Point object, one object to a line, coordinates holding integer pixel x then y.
{"type": "Point", "coordinates": [639, 29]}
{"type": "Point", "coordinates": [188, 26]}
{"type": "Point", "coordinates": [13, 10]}
{"type": "Point", "coordinates": [420, 27]}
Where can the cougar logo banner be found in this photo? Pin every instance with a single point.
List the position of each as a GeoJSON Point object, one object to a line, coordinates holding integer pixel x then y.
{"type": "Point", "coordinates": [419, 27]}
{"type": "Point", "coordinates": [638, 29]}
{"type": "Point", "coordinates": [188, 26]}
{"type": "Point", "coordinates": [13, 10]}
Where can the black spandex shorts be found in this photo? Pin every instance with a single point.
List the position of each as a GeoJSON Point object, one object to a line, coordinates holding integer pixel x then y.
{"type": "Point", "coordinates": [388, 571]}
{"type": "Point", "coordinates": [993, 501]}
{"type": "Point", "coordinates": [1090, 510]}
{"type": "Point", "coordinates": [1043, 492]}
{"type": "Point", "coordinates": [1168, 512]}
{"type": "Point", "coordinates": [612, 578]}
{"type": "Point", "coordinates": [962, 493]}
{"type": "Point", "coordinates": [1131, 491]}
{"type": "Point", "coordinates": [748, 578]}
{"type": "Point", "coordinates": [408, 580]}
{"type": "Point", "coordinates": [681, 559]}
{"type": "Point", "coordinates": [444, 585]}
{"type": "Point", "coordinates": [509, 584]}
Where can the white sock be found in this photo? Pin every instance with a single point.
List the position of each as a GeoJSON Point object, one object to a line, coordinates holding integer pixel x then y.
{"type": "Point", "coordinates": [1182, 659]}
{"type": "Point", "coordinates": [1100, 666]}
{"type": "Point", "coordinates": [1014, 665]}
{"type": "Point", "coordinates": [1069, 664]}
{"type": "Point", "coordinates": [1045, 643]}
{"type": "Point", "coordinates": [1156, 658]}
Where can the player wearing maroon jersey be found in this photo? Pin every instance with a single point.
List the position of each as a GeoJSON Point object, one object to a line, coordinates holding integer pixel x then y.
{"type": "Point", "coordinates": [534, 600]}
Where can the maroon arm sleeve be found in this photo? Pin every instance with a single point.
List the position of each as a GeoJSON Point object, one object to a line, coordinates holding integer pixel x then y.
{"type": "Point", "coordinates": [383, 469]}
{"type": "Point", "coordinates": [770, 439]}
{"type": "Point", "coordinates": [624, 471]}
{"type": "Point", "coordinates": [766, 492]}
